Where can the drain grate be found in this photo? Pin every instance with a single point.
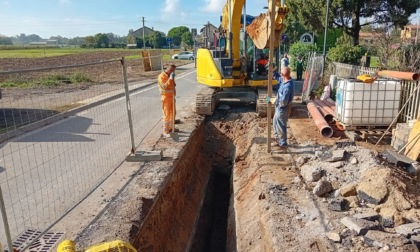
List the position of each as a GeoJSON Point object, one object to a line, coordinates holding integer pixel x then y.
{"type": "Point", "coordinates": [43, 244]}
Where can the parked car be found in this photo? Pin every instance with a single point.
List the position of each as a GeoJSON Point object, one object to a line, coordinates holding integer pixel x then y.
{"type": "Point", "coordinates": [184, 55]}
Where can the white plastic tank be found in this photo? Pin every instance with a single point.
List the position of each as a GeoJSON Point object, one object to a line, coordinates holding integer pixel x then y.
{"type": "Point", "coordinates": [363, 104]}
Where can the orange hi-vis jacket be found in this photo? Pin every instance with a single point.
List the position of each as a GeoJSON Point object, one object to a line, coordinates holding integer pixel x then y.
{"type": "Point", "coordinates": [166, 85]}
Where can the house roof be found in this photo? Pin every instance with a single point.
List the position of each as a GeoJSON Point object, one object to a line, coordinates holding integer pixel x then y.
{"type": "Point", "coordinates": [368, 34]}
{"type": "Point", "coordinates": [211, 27]}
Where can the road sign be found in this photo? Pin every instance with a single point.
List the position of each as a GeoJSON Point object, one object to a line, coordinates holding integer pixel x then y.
{"type": "Point", "coordinates": [169, 40]}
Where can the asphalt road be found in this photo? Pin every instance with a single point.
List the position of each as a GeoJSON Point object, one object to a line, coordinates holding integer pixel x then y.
{"type": "Point", "coordinates": [45, 172]}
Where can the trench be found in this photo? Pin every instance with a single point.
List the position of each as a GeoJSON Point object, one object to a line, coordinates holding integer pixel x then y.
{"type": "Point", "coordinates": [194, 210]}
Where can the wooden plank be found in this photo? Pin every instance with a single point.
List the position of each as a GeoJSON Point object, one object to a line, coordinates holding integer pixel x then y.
{"type": "Point", "coordinates": [413, 148]}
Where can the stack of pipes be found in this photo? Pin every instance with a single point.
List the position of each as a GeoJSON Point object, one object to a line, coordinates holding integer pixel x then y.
{"type": "Point", "coordinates": [323, 113]}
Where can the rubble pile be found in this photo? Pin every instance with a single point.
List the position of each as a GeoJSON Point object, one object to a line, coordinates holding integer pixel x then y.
{"type": "Point", "coordinates": [377, 203]}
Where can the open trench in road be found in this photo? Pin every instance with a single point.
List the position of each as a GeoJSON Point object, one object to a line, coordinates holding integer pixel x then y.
{"type": "Point", "coordinates": [191, 211]}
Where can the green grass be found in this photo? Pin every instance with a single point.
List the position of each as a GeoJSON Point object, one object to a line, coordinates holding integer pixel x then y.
{"type": "Point", "coordinates": [374, 61]}
{"type": "Point", "coordinates": [47, 81]}
{"type": "Point", "coordinates": [51, 52]}
{"type": "Point", "coordinates": [48, 52]}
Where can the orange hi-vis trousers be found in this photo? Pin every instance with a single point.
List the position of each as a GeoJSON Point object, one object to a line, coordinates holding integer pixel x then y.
{"type": "Point", "coordinates": [168, 112]}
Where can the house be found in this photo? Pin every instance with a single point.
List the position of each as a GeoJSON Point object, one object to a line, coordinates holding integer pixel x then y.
{"type": "Point", "coordinates": [147, 31]}
{"type": "Point", "coordinates": [366, 38]}
{"type": "Point", "coordinates": [410, 32]}
{"type": "Point", "coordinates": [209, 34]}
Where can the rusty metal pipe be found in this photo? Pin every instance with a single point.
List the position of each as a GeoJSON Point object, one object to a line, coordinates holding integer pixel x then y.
{"type": "Point", "coordinates": [399, 75]}
{"type": "Point", "coordinates": [327, 116]}
{"type": "Point", "coordinates": [325, 106]}
{"type": "Point", "coordinates": [324, 128]}
{"type": "Point", "coordinates": [330, 103]}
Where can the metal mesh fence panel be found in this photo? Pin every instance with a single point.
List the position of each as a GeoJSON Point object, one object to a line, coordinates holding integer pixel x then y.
{"type": "Point", "coordinates": [312, 75]}
{"type": "Point", "coordinates": [62, 132]}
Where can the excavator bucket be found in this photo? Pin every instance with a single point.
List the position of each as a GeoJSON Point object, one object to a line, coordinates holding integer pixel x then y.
{"type": "Point", "coordinates": [260, 28]}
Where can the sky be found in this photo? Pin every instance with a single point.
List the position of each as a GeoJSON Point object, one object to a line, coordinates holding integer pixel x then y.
{"type": "Point", "coordinates": [71, 18]}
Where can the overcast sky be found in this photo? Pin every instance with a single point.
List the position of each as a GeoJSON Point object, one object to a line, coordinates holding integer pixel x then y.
{"type": "Point", "coordinates": [71, 18]}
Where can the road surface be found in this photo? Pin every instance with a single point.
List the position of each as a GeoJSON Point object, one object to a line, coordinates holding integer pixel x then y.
{"type": "Point", "coordinates": [45, 172]}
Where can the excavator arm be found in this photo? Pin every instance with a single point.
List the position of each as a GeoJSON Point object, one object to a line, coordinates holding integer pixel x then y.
{"type": "Point", "coordinates": [259, 30]}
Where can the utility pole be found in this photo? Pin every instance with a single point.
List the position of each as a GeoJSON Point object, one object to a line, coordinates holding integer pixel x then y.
{"type": "Point", "coordinates": [144, 41]}
{"type": "Point", "coordinates": [417, 30]}
{"type": "Point", "coordinates": [325, 37]}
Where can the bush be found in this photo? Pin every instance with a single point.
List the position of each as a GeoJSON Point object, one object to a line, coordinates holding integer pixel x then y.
{"type": "Point", "coordinates": [300, 49]}
{"type": "Point", "coordinates": [346, 54]}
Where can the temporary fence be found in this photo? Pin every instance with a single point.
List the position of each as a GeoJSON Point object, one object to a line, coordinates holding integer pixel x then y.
{"type": "Point", "coordinates": [63, 131]}
{"type": "Point", "coordinates": [409, 112]}
{"type": "Point", "coordinates": [312, 75]}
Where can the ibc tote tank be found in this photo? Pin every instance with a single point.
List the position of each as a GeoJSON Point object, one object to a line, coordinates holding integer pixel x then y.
{"type": "Point", "coordinates": [362, 104]}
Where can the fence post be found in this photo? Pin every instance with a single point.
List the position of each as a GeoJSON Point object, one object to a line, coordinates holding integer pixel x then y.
{"type": "Point", "coordinates": [128, 103]}
{"type": "Point", "coordinates": [5, 222]}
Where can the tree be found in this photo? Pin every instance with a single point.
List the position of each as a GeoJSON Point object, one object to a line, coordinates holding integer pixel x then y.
{"type": "Point", "coordinates": [156, 39]}
{"type": "Point", "coordinates": [176, 34]}
{"type": "Point", "coordinates": [5, 41]}
{"type": "Point", "coordinates": [101, 40]}
{"type": "Point", "coordinates": [348, 14]}
{"type": "Point", "coordinates": [186, 38]}
{"type": "Point", "coordinates": [90, 41]}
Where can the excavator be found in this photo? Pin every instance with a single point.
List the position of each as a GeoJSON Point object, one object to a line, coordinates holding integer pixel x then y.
{"type": "Point", "coordinates": [234, 74]}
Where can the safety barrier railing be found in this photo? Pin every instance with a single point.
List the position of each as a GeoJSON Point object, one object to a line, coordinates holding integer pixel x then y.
{"type": "Point", "coordinates": [63, 131]}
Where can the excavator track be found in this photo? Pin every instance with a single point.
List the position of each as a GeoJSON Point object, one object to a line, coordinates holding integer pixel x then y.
{"type": "Point", "coordinates": [262, 104]}
{"type": "Point", "coordinates": [205, 101]}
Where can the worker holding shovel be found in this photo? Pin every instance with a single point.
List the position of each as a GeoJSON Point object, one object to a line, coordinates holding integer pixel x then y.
{"type": "Point", "coordinates": [166, 82]}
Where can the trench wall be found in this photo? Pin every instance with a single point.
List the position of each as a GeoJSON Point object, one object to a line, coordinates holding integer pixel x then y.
{"type": "Point", "coordinates": [171, 221]}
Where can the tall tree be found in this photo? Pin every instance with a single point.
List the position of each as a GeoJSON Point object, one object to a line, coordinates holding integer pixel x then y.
{"type": "Point", "coordinates": [90, 41]}
{"type": "Point", "coordinates": [186, 38]}
{"type": "Point", "coordinates": [176, 34]}
{"type": "Point", "coordinates": [101, 40]}
{"type": "Point", "coordinates": [348, 14]}
{"type": "Point", "coordinates": [156, 39]}
{"type": "Point", "coordinates": [5, 41]}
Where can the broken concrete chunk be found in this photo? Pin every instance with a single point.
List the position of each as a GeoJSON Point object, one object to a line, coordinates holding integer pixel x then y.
{"type": "Point", "coordinates": [302, 160]}
{"type": "Point", "coordinates": [369, 215]}
{"type": "Point", "coordinates": [338, 204]}
{"type": "Point", "coordinates": [353, 201]}
{"type": "Point", "coordinates": [387, 221]}
{"type": "Point", "coordinates": [349, 189]}
{"type": "Point", "coordinates": [416, 240]}
{"type": "Point", "coordinates": [311, 173]}
{"type": "Point", "coordinates": [353, 160]}
{"type": "Point", "coordinates": [345, 232]}
{"type": "Point", "coordinates": [335, 237]}
{"type": "Point", "coordinates": [372, 192]}
{"type": "Point", "coordinates": [361, 227]}
{"type": "Point", "coordinates": [338, 164]}
{"type": "Point", "coordinates": [408, 229]}
{"type": "Point", "coordinates": [322, 187]}
{"type": "Point", "coordinates": [380, 239]}
{"type": "Point", "coordinates": [337, 155]}
{"type": "Point", "coordinates": [397, 159]}
{"type": "Point", "coordinates": [414, 169]}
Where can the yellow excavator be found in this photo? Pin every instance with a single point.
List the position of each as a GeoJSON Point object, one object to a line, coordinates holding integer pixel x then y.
{"type": "Point", "coordinates": [232, 72]}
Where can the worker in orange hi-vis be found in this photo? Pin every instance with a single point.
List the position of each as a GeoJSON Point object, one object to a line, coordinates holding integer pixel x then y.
{"type": "Point", "coordinates": [166, 82]}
